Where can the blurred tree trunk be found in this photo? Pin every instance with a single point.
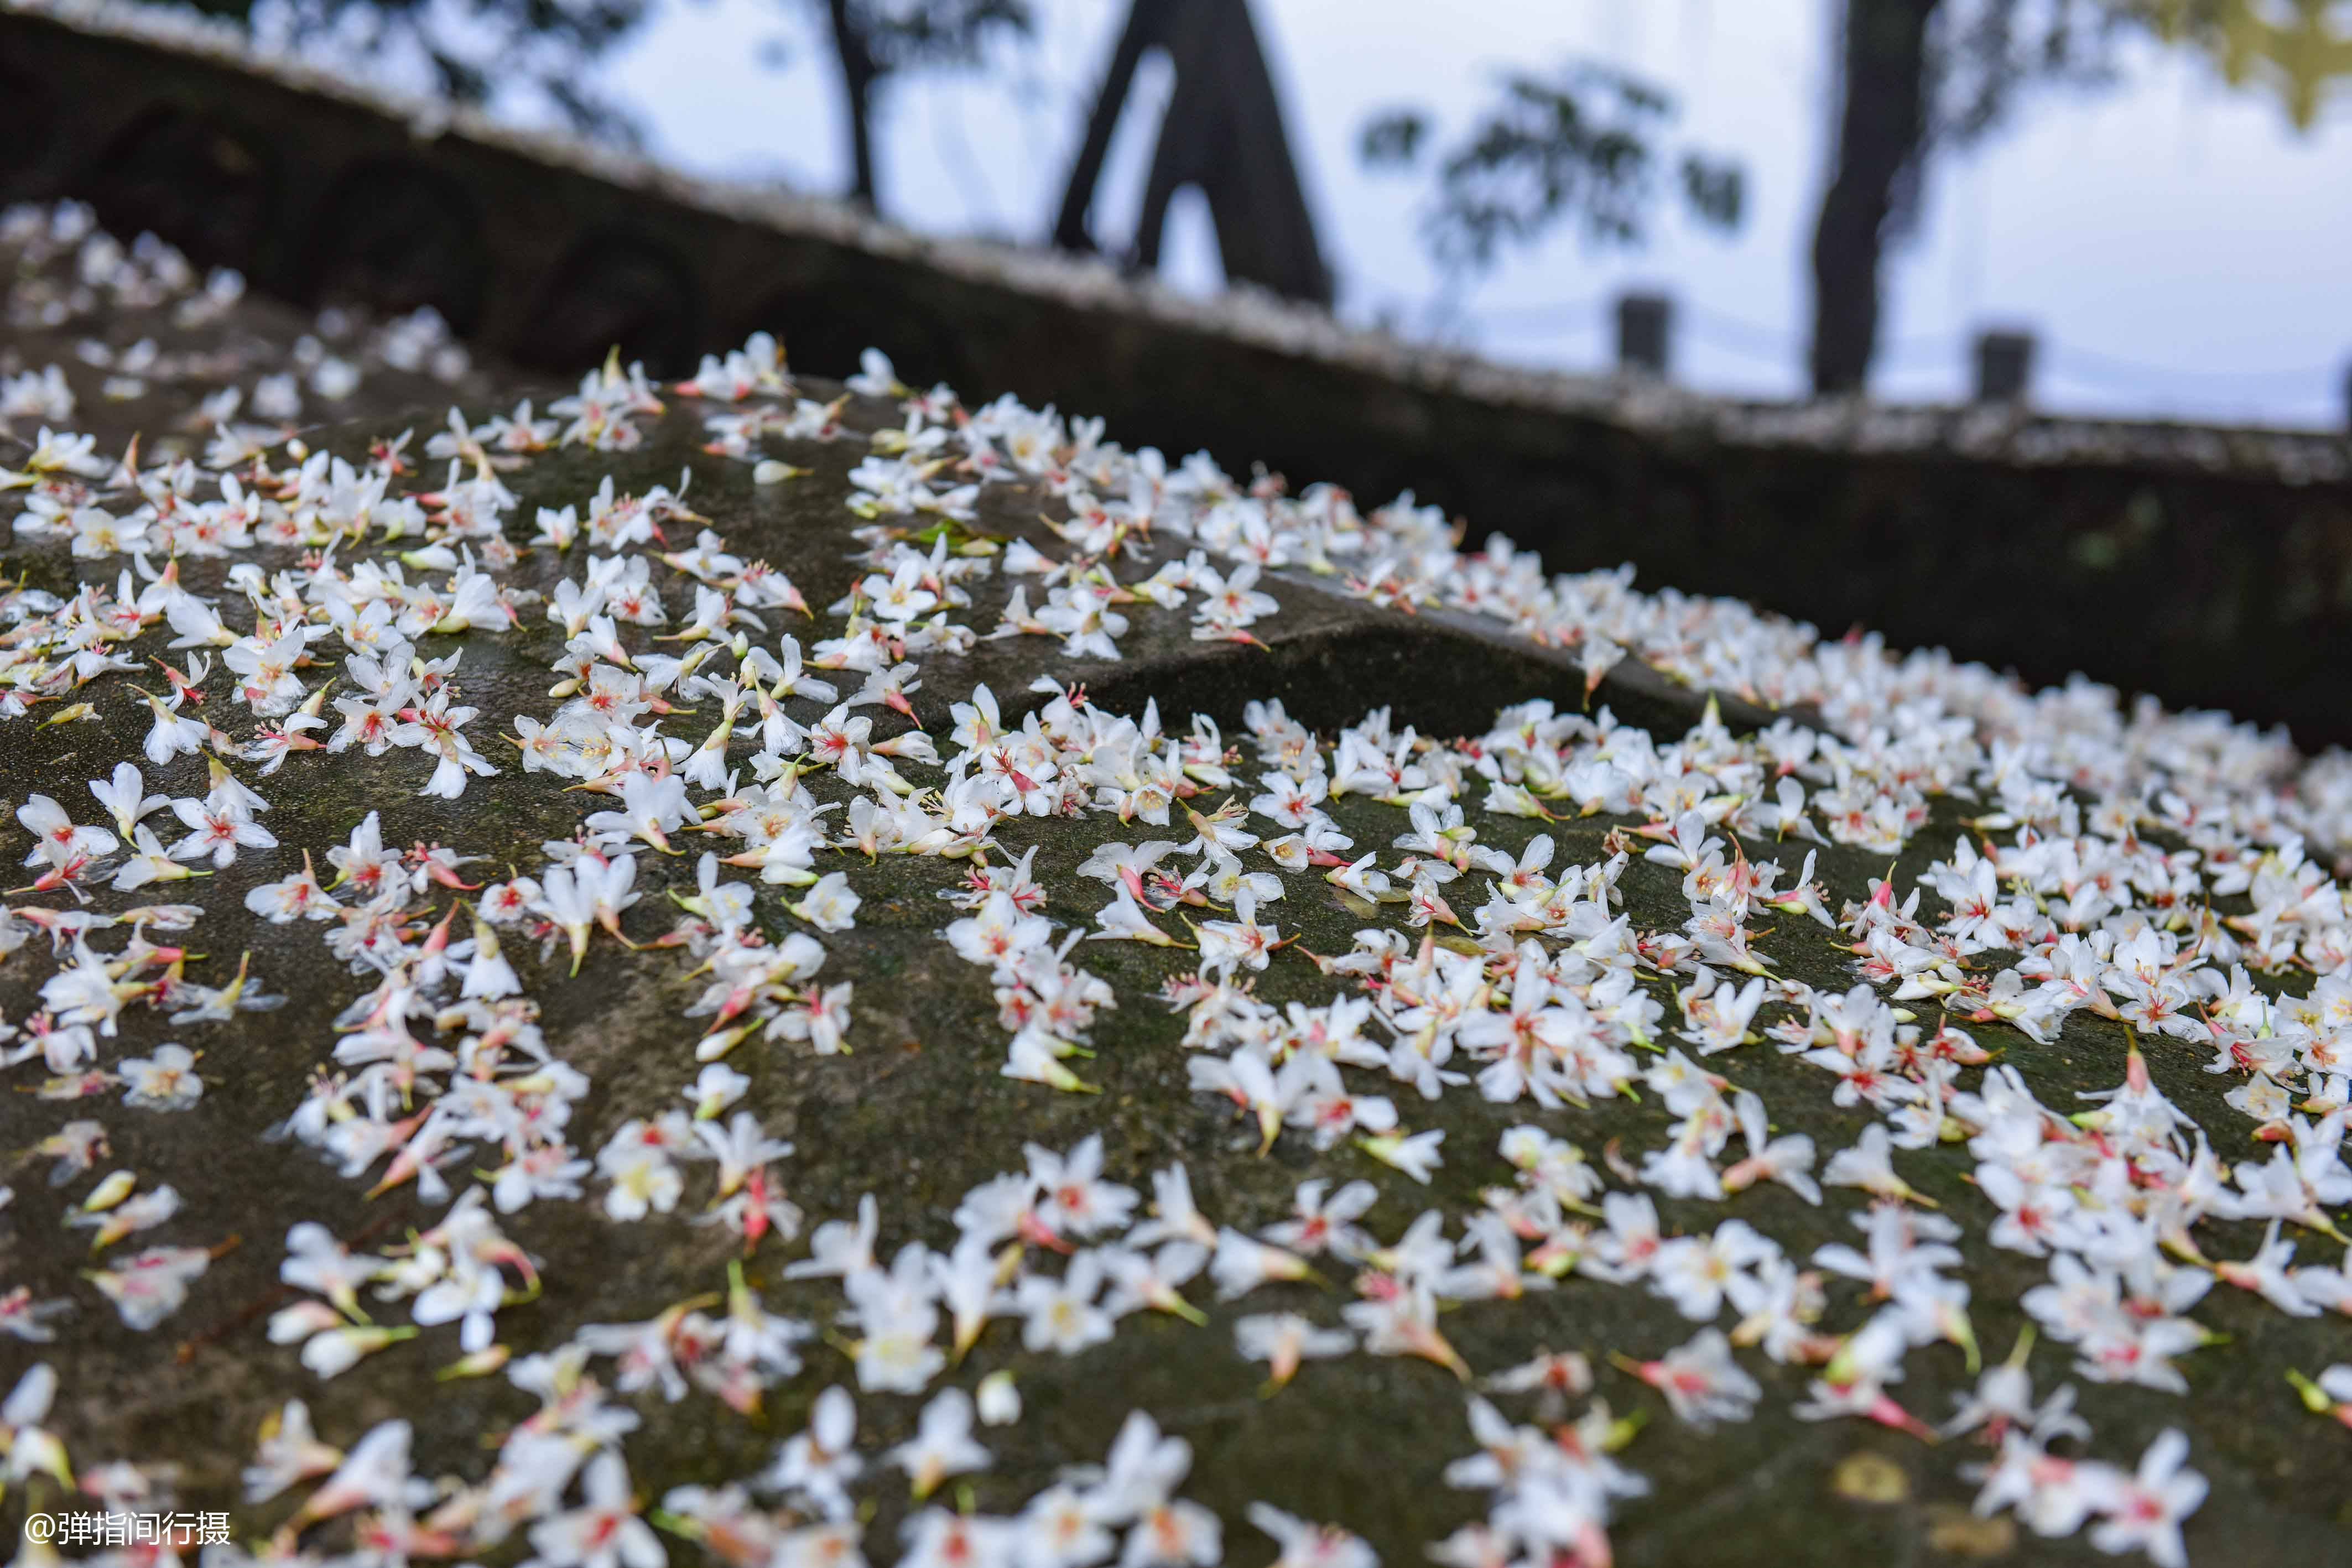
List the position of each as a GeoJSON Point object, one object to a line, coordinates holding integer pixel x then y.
{"type": "Point", "coordinates": [1223, 135]}
{"type": "Point", "coordinates": [1881, 125]}
{"type": "Point", "coordinates": [1071, 228]}
{"type": "Point", "coordinates": [858, 72]}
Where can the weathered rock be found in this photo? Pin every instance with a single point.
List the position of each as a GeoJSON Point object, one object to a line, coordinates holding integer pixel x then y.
{"type": "Point", "coordinates": [919, 1113]}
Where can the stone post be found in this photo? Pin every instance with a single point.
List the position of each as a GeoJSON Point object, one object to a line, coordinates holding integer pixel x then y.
{"type": "Point", "coordinates": [1645, 325]}
{"type": "Point", "coordinates": [2004, 365]}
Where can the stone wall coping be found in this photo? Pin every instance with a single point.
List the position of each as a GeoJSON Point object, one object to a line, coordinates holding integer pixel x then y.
{"type": "Point", "coordinates": [1255, 319]}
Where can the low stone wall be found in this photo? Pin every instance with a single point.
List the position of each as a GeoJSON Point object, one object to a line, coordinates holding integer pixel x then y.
{"type": "Point", "coordinates": [2212, 567]}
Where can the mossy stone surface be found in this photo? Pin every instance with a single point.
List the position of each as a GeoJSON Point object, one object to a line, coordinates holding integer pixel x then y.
{"type": "Point", "coordinates": [919, 1112]}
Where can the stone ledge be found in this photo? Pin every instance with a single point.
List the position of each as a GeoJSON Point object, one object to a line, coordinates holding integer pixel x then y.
{"type": "Point", "coordinates": [2210, 567]}
{"type": "Point", "coordinates": [1249, 316]}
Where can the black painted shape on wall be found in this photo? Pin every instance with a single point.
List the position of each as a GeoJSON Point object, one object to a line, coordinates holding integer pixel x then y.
{"type": "Point", "coordinates": [31, 110]}
{"type": "Point", "coordinates": [394, 234]}
{"type": "Point", "coordinates": [613, 288]}
{"type": "Point", "coordinates": [202, 183]}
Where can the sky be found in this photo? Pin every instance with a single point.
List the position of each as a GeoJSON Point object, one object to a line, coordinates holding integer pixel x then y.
{"type": "Point", "coordinates": [2175, 244]}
